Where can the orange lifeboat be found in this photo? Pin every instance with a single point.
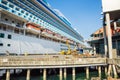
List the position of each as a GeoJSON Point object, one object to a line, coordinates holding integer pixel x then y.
{"type": "Point", "coordinates": [30, 26]}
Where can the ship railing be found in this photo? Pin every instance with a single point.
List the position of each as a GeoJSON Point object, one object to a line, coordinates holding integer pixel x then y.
{"type": "Point", "coordinates": [47, 34]}
{"type": "Point", "coordinates": [95, 38]}
{"type": "Point", "coordinates": [58, 38]}
{"type": "Point", "coordinates": [10, 24]}
{"type": "Point", "coordinates": [64, 40]}
{"type": "Point", "coordinates": [6, 23]}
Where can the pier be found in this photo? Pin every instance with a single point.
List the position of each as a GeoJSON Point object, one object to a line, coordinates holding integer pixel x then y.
{"type": "Point", "coordinates": [51, 61]}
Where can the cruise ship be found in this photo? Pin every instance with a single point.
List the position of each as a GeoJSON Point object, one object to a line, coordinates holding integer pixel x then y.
{"type": "Point", "coordinates": [33, 27]}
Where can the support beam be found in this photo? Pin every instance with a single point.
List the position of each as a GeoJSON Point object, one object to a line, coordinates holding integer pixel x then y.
{"type": "Point", "coordinates": [65, 73]}
{"type": "Point", "coordinates": [39, 35]}
{"type": "Point", "coordinates": [24, 32]}
{"type": "Point", "coordinates": [94, 48]}
{"type": "Point", "coordinates": [60, 74]}
{"type": "Point", "coordinates": [24, 26]}
{"type": "Point", "coordinates": [109, 35]}
{"type": "Point", "coordinates": [99, 71]}
{"type": "Point", "coordinates": [44, 74]}
{"type": "Point", "coordinates": [0, 15]}
{"type": "Point", "coordinates": [114, 71]}
{"type": "Point", "coordinates": [117, 47]}
{"type": "Point", "coordinates": [28, 75]}
{"type": "Point", "coordinates": [87, 72]}
{"type": "Point", "coordinates": [8, 74]}
{"type": "Point", "coordinates": [115, 25]}
{"type": "Point", "coordinates": [73, 73]}
{"type": "Point", "coordinates": [105, 41]}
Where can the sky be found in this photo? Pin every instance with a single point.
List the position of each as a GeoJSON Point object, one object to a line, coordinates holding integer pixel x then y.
{"type": "Point", "coordinates": [84, 15]}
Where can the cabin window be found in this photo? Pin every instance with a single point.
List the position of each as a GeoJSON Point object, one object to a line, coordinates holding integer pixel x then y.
{"type": "Point", "coordinates": [10, 5]}
{"type": "Point", "coordinates": [13, 11]}
{"type": "Point", "coordinates": [4, 2]}
{"type": "Point", "coordinates": [19, 14]}
{"type": "Point", "coordinates": [6, 19]}
{"type": "Point", "coordinates": [22, 11]}
{"type": "Point", "coordinates": [31, 16]}
{"type": "Point", "coordinates": [8, 45]}
{"type": "Point", "coordinates": [2, 35]}
{"type": "Point", "coordinates": [17, 9]}
{"type": "Point", "coordinates": [9, 36]}
{"type": "Point", "coordinates": [18, 25]}
{"type": "Point", "coordinates": [1, 44]}
{"type": "Point", "coordinates": [24, 16]}
{"type": "Point", "coordinates": [12, 21]}
{"type": "Point", "coordinates": [27, 14]}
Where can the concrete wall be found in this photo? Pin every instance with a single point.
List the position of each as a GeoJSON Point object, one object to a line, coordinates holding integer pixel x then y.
{"type": "Point", "coordinates": [110, 5]}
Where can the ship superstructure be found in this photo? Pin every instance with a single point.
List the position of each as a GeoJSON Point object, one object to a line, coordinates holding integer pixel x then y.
{"type": "Point", "coordinates": [31, 26]}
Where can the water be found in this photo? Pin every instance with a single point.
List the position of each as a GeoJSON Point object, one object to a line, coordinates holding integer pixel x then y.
{"type": "Point", "coordinates": [79, 76]}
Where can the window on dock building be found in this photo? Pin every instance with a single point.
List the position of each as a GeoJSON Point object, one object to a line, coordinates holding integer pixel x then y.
{"type": "Point", "coordinates": [2, 35]}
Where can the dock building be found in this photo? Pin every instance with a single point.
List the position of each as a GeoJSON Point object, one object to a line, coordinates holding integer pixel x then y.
{"type": "Point", "coordinates": [106, 39]}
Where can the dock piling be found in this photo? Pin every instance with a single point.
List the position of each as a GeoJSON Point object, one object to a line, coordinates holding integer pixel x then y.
{"type": "Point", "coordinates": [73, 73]}
{"type": "Point", "coordinates": [7, 74]}
{"type": "Point", "coordinates": [44, 74]}
{"type": "Point", "coordinates": [114, 71]}
{"type": "Point", "coordinates": [65, 73]}
{"type": "Point", "coordinates": [109, 70]}
{"type": "Point", "coordinates": [28, 75]}
{"type": "Point", "coordinates": [99, 71]}
{"type": "Point", "coordinates": [87, 72]}
{"type": "Point", "coordinates": [60, 73]}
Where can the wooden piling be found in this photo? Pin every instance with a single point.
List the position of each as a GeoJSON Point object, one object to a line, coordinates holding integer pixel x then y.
{"type": "Point", "coordinates": [99, 71]}
{"type": "Point", "coordinates": [44, 74]}
{"type": "Point", "coordinates": [114, 71]}
{"type": "Point", "coordinates": [8, 74]}
{"type": "Point", "coordinates": [109, 70]}
{"type": "Point", "coordinates": [65, 73]}
{"type": "Point", "coordinates": [60, 74]}
{"type": "Point", "coordinates": [28, 75]}
{"type": "Point", "coordinates": [73, 73]}
{"type": "Point", "coordinates": [87, 72]}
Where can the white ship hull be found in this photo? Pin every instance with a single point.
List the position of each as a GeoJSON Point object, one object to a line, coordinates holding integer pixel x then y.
{"type": "Point", "coordinates": [24, 32]}
{"type": "Point", "coordinates": [21, 44]}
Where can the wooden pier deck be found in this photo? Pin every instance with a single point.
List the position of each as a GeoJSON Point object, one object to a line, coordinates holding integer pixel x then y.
{"type": "Point", "coordinates": [62, 62]}
{"type": "Point", "coordinates": [48, 61]}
